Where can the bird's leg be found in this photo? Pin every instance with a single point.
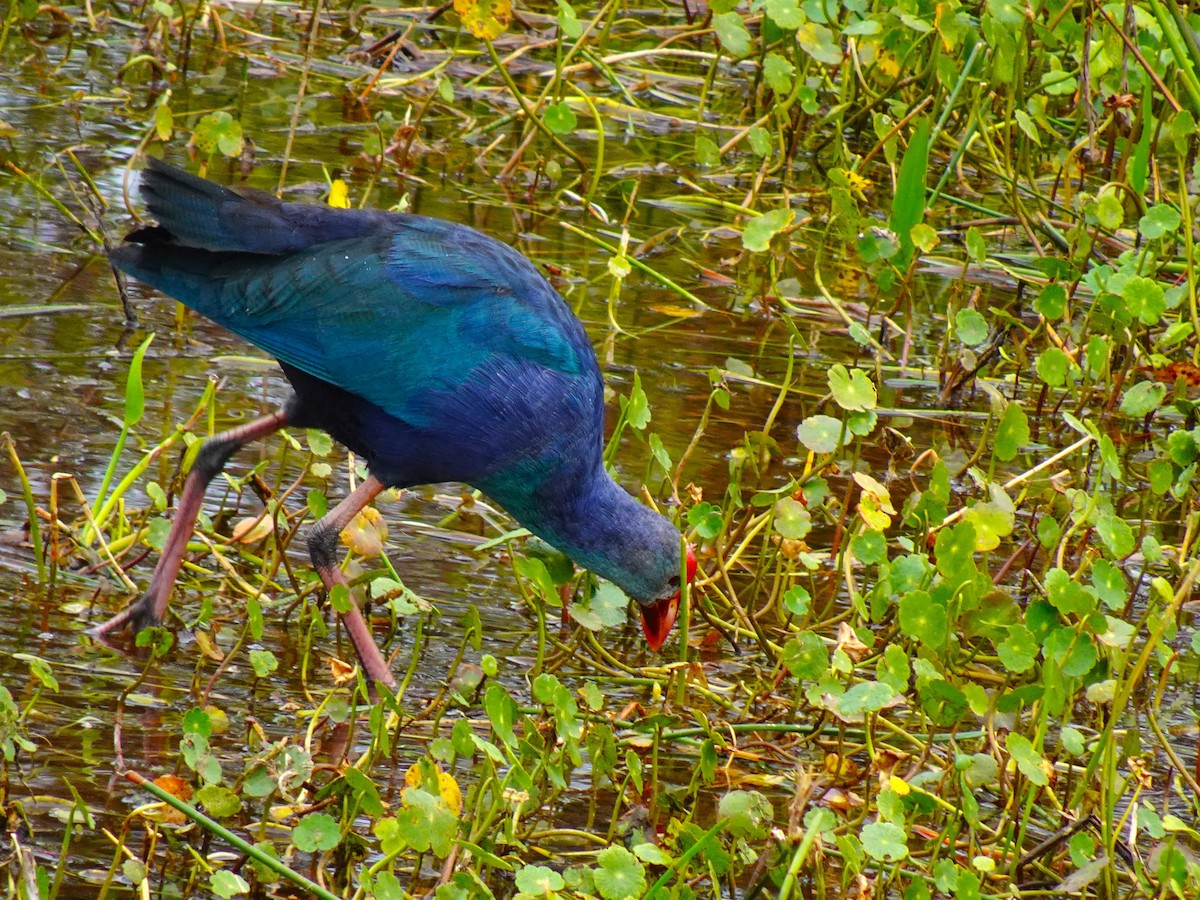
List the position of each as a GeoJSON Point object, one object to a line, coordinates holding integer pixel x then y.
{"type": "Point", "coordinates": [323, 548]}
{"type": "Point", "coordinates": [151, 607]}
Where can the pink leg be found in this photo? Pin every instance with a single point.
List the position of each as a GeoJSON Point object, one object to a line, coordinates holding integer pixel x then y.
{"type": "Point", "coordinates": [323, 548]}
{"type": "Point", "coordinates": [151, 607]}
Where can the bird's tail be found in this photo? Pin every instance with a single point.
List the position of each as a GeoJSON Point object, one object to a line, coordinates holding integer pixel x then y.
{"type": "Point", "coordinates": [198, 213]}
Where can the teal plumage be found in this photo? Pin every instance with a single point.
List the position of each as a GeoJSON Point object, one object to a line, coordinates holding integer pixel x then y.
{"type": "Point", "coordinates": [432, 350]}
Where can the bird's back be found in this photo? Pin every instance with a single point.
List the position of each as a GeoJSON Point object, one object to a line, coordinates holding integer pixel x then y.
{"type": "Point", "coordinates": [432, 349]}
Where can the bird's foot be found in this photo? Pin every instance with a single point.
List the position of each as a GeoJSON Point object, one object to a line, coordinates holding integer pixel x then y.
{"type": "Point", "coordinates": [138, 616]}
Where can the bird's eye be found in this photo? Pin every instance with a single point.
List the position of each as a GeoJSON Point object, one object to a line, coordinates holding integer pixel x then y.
{"type": "Point", "coordinates": [673, 581]}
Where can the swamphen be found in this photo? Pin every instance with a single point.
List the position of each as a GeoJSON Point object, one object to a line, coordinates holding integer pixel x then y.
{"type": "Point", "coordinates": [431, 350]}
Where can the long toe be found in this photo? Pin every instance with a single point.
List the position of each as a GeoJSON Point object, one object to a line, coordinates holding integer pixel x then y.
{"type": "Point", "coordinates": [137, 616]}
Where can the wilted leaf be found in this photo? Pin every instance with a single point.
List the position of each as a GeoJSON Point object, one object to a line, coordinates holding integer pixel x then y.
{"type": "Point", "coordinates": [485, 19]}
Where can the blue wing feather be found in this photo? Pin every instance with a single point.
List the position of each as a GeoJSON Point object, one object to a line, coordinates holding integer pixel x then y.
{"type": "Point", "coordinates": [434, 351]}
{"type": "Point", "coordinates": [449, 332]}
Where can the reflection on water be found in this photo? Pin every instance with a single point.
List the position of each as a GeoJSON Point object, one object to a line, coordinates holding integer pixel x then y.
{"type": "Point", "coordinates": [62, 379]}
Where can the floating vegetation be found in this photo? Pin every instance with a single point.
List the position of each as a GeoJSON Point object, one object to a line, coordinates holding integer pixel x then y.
{"type": "Point", "coordinates": [898, 307]}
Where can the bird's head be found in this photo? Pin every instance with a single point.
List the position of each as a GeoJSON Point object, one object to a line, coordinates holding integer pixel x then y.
{"type": "Point", "coordinates": [658, 613]}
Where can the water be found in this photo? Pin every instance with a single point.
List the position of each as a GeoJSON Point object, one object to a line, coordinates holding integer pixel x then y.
{"type": "Point", "coordinates": [62, 398]}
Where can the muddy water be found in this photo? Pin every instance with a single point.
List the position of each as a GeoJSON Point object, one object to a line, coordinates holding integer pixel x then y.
{"type": "Point", "coordinates": [62, 374]}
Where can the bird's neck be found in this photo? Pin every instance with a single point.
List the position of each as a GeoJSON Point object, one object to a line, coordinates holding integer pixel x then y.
{"type": "Point", "coordinates": [587, 516]}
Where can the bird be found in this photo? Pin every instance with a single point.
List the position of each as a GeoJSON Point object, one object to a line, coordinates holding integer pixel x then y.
{"type": "Point", "coordinates": [434, 352]}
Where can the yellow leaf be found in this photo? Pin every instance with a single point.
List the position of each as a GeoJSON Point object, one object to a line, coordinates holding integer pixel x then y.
{"type": "Point", "coordinates": [339, 194]}
{"type": "Point", "coordinates": [205, 642]}
{"type": "Point", "coordinates": [252, 530]}
{"type": "Point", "coordinates": [887, 65]}
{"type": "Point", "coordinates": [218, 720]}
{"type": "Point", "coordinates": [366, 533]}
{"type": "Point", "coordinates": [451, 793]}
{"type": "Point", "coordinates": [486, 19]}
{"type": "Point", "coordinates": [676, 310]}
{"type": "Point", "coordinates": [341, 672]}
{"type": "Point", "coordinates": [448, 788]}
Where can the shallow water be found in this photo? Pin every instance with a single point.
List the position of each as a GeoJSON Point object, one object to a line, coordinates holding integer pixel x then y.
{"type": "Point", "coordinates": [62, 377]}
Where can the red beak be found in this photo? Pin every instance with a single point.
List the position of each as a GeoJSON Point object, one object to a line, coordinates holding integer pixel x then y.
{"type": "Point", "coordinates": [657, 620]}
{"type": "Point", "coordinates": [658, 617]}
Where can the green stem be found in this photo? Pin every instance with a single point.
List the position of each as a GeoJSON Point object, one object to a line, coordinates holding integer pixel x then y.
{"type": "Point", "coordinates": [215, 828]}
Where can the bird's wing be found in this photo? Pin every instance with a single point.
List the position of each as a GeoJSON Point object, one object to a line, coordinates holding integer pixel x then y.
{"type": "Point", "coordinates": [395, 317]}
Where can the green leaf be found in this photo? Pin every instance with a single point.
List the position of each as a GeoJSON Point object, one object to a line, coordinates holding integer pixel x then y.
{"type": "Point", "coordinates": [319, 442]}
{"type": "Point", "coordinates": [1027, 758]}
{"type": "Point", "coordinates": [1109, 211]}
{"type": "Point", "coordinates": [978, 769]}
{"type": "Point", "coordinates": [864, 697]}
{"type": "Point", "coordinates": [197, 721]}
{"type": "Point", "coordinates": [317, 832]}
{"type": "Point", "coordinates": [731, 31]}
{"type": "Point", "coordinates": [228, 884]}
{"type": "Point", "coordinates": [707, 151]}
{"type": "Point", "coordinates": [759, 231]}
{"type": "Point", "coordinates": [908, 204]}
{"type": "Point", "coordinates": [852, 390]}
{"type": "Point", "coordinates": [792, 519]}
{"type": "Point", "coordinates": [618, 874]}
{"type": "Point", "coordinates": [1109, 581]}
{"type": "Point", "coordinates": [637, 410]}
{"type": "Point", "coordinates": [1012, 433]}
{"type": "Point", "coordinates": [340, 599]}
{"type": "Point", "coordinates": [219, 131]}
{"type": "Point", "coordinates": [135, 398]}
{"type": "Point", "coordinates": [1018, 652]}
{"type": "Point", "coordinates": [1159, 221]}
{"type": "Point", "coordinates": [876, 244]}
{"type": "Point", "coordinates": [164, 120]}
{"type": "Point", "coordinates": [806, 657]}
{"type": "Point", "coordinates": [501, 712]}
{"type": "Point", "coordinates": [1051, 302]}
{"type": "Point", "coordinates": [787, 14]}
{"type": "Point", "coordinates": [156, 533]}
{"type": "Point", "coordinates": [976, 245]}
{"type": "Point", "coordinates": [749, 813]}
{"type": "Point", "coordinates": [1116, 534]}
{"type": "Point", "coordinates": [1145, 299]}
{"type": "Point", "coordinates": [862, 423]}
{"type": "Point", "coordinates": [1143, 398]}
{"type": "Point", "coordinates": [761, 140]}
{"type": "Point", "coordinates": [219, 801]}
{"type": "Point", "coordinates": [955, 550]}
{"type": "Point", "coordinates": [568, 21]}
{"type": "Point", "coordinates": [1052, 367]}
{"type": "Point", "coordinates": [605, 609]}
{"type": "Point", "coordinates": [425, 823]}
{"type": "Point", "coordinates": [869, 547]}
{"type": "Point", "coordinates": [560, 118]}
{"type": "Point", "coordinates": [923, 618]}
{"type": "Point", "coordinates": [884, 841]}
{"type": "Point", "coordinates": [538, 880]}
{"type": "Point", "coordinates": [820, 434]}
{"type": "Point", "coordinates": [652, 854]}
{"type": "Point", "coordinates": [705, 519]}
{"type": "Point", "coordinates": [820, 43]}
{"type": "Point", "coordinates": [971, 327]}
{"type": "Point", "coordinates": [992, 521]}
{"type": "Point", "coordinates": [1067, 595]}
{"type": "Point", "coordinates": [778, 72]}
{"type": "Point", "coordinates": [797, 600]}
{"type": "Point", "coordinates": [264, 662]}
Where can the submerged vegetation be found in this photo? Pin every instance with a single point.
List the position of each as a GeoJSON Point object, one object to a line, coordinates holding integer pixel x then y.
{"type": "Point", "coordinates": [912, 295]}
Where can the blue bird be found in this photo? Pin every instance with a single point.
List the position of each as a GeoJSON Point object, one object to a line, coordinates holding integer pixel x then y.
{"type": "Point", "coordinates": [434, 352]}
